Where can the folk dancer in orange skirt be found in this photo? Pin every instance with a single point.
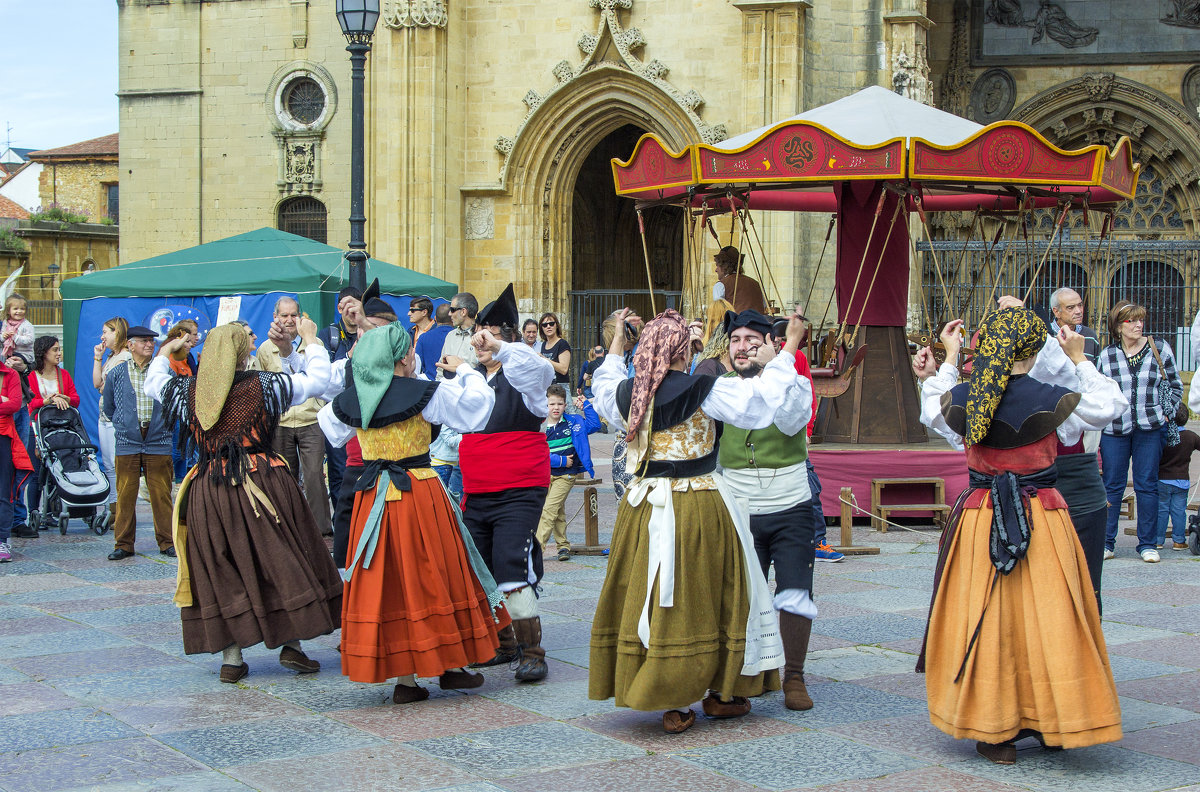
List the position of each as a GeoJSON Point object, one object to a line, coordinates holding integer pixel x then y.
{"type": "Point", "coordinates": [252, 565]}
{"type": "Point", "coordinates": [419, 599]}
{"type": "Point", "coordinates": [1014, 647]}
{"type": "Point", "coordinates": [685, 613]}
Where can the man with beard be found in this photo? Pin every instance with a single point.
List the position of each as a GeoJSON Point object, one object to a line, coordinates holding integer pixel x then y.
{"type": "Point", "coordinates": [766, 468]}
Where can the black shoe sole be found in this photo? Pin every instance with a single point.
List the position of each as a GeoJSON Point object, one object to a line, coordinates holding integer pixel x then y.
{"type": "Point", "coordinates": [500, 659]}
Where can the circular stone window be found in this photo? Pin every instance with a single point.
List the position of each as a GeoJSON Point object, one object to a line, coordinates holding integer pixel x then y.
{"type": "Point", "coordinates": [304, 100]}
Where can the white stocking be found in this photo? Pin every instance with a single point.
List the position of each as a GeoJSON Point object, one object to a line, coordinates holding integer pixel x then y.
{"type": "Point", "coordinates": [408, 680]}
{"type": "Point", "coordinates": [232, 655]}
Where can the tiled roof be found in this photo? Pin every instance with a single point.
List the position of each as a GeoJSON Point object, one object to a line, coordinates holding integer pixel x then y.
{"type": "Point", "coordinates": [11, 210]}
{"type": "Point", "coordinates": [94, 147]}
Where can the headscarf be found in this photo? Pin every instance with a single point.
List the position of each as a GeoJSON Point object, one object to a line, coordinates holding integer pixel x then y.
{"type": "Point", "coordinates": [373, 363]}
{"type": "Point", "coordinates": [1006, 336]}
{"type": "Point", "coordinates": [225, 348]}
{"type": "Point", "coordinates": [663, 341]}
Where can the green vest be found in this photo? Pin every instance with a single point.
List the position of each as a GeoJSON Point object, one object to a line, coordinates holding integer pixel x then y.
{"type": "Point", "coordinates": [761, 448]}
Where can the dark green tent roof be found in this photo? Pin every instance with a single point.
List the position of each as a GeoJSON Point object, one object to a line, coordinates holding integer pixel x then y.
{"type": "Point", "coordinates": [256, 262]}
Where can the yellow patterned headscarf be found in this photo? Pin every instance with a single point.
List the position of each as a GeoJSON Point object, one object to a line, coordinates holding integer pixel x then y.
{"type": "Point", "coordinates": [1006, 336]}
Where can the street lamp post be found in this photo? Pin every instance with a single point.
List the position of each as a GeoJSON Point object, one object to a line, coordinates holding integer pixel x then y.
{"type": "Point", "coordinates": [357, 19]}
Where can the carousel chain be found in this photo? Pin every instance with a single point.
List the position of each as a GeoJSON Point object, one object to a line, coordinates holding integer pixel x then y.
{"type": "Point", "coordinates": [766, 261]}
{"type": "Point", "coordinates": [937, 267]}
{"type": "Point", "coordinates": [1022, 224]}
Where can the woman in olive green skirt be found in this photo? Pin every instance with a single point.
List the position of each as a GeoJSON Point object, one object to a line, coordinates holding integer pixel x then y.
{"type": "Point", "coordinates": [685, 613]}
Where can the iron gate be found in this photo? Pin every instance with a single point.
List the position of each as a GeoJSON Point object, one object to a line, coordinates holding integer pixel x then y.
{"type": "Point", "coordinates": [590, 308]}
{"type": "Point", "coordinates": [1161, 275]}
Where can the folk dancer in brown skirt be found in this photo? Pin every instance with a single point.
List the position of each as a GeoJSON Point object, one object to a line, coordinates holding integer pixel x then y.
{"type": "Point", "coordinates": [685, 613]}
{"type": "Point", "coordinates": [1014, 647]}
{"type": "Point", "coordinates": [252, 565]}
{"type": "Point", "coordinates": [419, 598]}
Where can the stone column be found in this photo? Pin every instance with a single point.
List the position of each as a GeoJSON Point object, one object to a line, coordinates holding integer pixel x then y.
{"type": "Point", "coordinates": [774, 43]}
{"type": "Point", "coordinates": [413, 217]}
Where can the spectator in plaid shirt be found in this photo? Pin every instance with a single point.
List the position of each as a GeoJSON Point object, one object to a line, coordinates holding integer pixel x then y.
{"type": "Point", "coordinates": [1137, 434]}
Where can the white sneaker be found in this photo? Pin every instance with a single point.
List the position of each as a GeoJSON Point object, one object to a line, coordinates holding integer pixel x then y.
{"type": "Point", "coordinates": [1108, 554]}
{"type": "Point", "coordinates": [5, 553]}
{"type": "Point", "coordinates": [1150, 555]}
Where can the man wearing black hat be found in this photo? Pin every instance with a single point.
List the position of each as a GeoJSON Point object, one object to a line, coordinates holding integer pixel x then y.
{"type": "Point", "coordinates": [506, 473]}
{"type": "Point", "coordinates": [766, 468]}
{"type": "Point", "coordinates": [143, 447]}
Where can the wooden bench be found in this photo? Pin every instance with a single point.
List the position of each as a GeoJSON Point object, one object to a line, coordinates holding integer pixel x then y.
{"type": "Point", "coordinates": [880, 511]}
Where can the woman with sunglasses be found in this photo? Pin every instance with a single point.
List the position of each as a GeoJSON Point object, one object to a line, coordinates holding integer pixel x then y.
{"type": "Point", "coordinates": [555, 348]}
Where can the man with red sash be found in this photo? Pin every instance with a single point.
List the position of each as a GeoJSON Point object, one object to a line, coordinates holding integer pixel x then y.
{"type": "Point", "coordinates": [506, 473]}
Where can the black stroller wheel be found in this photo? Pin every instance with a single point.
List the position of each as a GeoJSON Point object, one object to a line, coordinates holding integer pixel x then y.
{"type": "Point", "coordinates": [62, 524]}
{"type": "Point", "coordinates": [100, 522]}
{"type": "Point", "coordinates": [35, 520]}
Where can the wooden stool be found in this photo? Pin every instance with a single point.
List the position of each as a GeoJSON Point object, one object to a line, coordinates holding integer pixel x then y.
{"type": "Point", "coordinates": [591, 519]}
{"type": "Point", "coordinates": [880, 511]}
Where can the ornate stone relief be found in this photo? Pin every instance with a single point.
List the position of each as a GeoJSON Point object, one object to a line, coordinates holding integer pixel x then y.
{"type": "Point", "coordinates": [301, 101]}
{"type": "Point", "coordinates": [992, 96]}
{"type": "Point", "coordinates": [910, 75]}
{"type": "Point", "coordinates": [956, 82]}
{"type": "Point", "coordinates": [480, 220]}
{"type": "Point", "coordinates": [1190, 91]}
{"type": "Point", "coordinates": [402, 14]}
{"type": "Point", "coordinates": [624, 42]}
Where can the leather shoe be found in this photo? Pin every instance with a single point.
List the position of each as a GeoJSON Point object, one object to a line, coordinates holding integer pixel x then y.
{"type": "Point", "coordinates": [676, 722]}
{"type": "Point", "coordinates": [23, 531]}
{"type": "Point", "coordinates": [298, 661]}
{"type": "Point", "coordinates": [408, 694]}
{"type": "Point", "coordinates": [734, 708]}
{"type": "Point", "coordinates": [169, 552]}
{"type": "Point", "coordinates": [1004, 753]}
{"type": "Point", "coordinates": [459, 680]}
{"type": "Point", "coordinates": [119, 554]}
{"type": "Point", "coordinates": [232, 673]}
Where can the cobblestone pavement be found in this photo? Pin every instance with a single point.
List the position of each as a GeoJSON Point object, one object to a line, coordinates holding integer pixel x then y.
{"type": "Point", "coordinates": [96, 694]}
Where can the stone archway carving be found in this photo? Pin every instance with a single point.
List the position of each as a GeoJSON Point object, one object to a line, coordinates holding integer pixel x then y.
{"type": "Point", "coordinates": [1101, 107]}
{"type": "Point", "coordinates": [546, 160]}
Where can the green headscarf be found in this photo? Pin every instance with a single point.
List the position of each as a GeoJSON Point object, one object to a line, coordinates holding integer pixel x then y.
{"type": "Point", "coordinates": [374, 359]}
{"type": "Point", "coordinates": [1005, 337]}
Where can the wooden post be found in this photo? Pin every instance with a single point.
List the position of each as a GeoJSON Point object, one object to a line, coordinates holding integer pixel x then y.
{"type": "Point", "coordinates": [591, 522]}
{"type": "Point", "coordinates": [847, 522]}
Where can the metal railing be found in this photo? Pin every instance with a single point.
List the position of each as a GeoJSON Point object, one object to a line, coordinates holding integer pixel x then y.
{"type": "Point", "coordinates": [1160, 275]}
{"type": "Point", "coordinates": [590, 308]}
{"type": "Point", "coordinates": [44, 312]}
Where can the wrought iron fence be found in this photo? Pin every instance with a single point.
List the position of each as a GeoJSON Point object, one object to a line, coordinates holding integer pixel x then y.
{"type": "Point", "coordinates": [1161, 275]}
{"type": "Point", "coordinates": [44, 312]}
{"type": "Point", "coordinates": [590, 308]}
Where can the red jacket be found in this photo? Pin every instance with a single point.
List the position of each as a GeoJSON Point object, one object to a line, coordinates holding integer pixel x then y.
{"type": "Point", "coordinates": [805, 370]}
{"type": "Point", "coordinates": [66, 386]}
{"type": "Point", "coordinates": [11, 400]}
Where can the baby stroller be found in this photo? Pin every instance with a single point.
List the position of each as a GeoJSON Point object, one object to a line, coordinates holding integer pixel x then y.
{"type": "Point", "coordinates": [71, 480]}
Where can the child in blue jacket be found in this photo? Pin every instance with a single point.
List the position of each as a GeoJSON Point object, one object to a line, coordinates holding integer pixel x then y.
{"type": "Point", "coordinates": [570, 455]}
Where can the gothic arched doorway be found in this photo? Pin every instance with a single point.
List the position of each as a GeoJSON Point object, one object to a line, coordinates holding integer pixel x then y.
{"type": "Point", "coordinates": [608, 269]}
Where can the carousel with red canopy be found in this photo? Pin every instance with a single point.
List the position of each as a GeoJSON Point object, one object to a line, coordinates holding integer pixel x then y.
{"type": "Point", "coordinates": [871, 159]}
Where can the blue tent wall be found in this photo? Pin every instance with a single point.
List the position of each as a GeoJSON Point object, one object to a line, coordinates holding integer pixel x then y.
{"type": "Point", "coordinates": [257, 310]}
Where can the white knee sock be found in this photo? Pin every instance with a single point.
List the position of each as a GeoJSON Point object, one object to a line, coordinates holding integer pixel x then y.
{"type": "Point", "coordinates": [408, 680]}
{"type": "Point", "coordinates": [294, 645]}
{"type": "Point", "coordinates": [232, 655]}
{"type": "Point", "coordinates": [522, 603]}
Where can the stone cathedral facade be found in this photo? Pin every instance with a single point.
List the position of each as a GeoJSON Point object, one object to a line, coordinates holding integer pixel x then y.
{"type": "Point", "coordinates": [491, 123]}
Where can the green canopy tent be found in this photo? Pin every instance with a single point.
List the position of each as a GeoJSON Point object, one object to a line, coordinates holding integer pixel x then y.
{"type": "Point", "coordinates": [258, 262]}
{"type": "Point", "coordinates": [258, 267]}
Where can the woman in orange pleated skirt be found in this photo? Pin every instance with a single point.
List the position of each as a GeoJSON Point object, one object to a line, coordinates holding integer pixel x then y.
{"type": "Point", "coordinates": [1014, 647]}
{"type": "Point", "coordinates": [418, 598]}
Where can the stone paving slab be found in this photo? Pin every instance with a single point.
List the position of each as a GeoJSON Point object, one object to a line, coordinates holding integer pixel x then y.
{"type": "Point", "coordinates": [113, 704]}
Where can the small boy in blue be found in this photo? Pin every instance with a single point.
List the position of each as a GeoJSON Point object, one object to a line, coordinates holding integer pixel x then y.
{"type": "Point", "coordinates": [1173, 483]}
{"type": "Point", "coordinates": [570, 455]}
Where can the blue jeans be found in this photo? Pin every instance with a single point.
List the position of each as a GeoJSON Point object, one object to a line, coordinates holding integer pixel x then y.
{"type": "Point", "coordinates": [1144, 448]}
{"type": "Point", "coordinates": [7, 482]}
{"type": "Point", "coordinates": [1172, 505]}
{"type": "Point", "coordinates": [814, 489]}
{"type": "Point", "coordinates": [451, 476]}
{"type": "Point", "coordinates": [24, 431]}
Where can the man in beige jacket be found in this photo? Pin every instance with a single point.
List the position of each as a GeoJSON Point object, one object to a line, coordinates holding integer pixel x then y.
{"type": "Point", "coordinates": [299, 439]}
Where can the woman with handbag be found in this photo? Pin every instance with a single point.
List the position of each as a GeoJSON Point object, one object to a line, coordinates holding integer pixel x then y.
{"type": "Point", "coordinates": [1145, 369]}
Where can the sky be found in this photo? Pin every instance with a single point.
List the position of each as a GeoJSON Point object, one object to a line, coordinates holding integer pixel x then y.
{"type": "Point", "coordinates": [58, 71]}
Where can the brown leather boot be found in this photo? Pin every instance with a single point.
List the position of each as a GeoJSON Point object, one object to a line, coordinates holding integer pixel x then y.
{"type": "Point", "coordinates": [795, 631]}
{"type": "Point", "coordinates": [507, 652]}
{"type": "Point", "coordinates": [532, 667]}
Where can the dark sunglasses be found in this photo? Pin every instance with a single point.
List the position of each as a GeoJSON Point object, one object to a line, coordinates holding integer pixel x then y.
{"type": "Point", "coordinates": [549, 324]}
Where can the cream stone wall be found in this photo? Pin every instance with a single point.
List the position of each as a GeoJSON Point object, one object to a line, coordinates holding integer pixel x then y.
{"type": "Point", "coordinates": [78, 186]}
{"type": "Point", "coordinates": [200, 159]}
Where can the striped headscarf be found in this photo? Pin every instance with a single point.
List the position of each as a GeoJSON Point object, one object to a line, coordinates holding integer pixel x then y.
{"type": "Point", "coordinates": [1005, 337]}
{"type": "Point", "coordinates": [663, 341]}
